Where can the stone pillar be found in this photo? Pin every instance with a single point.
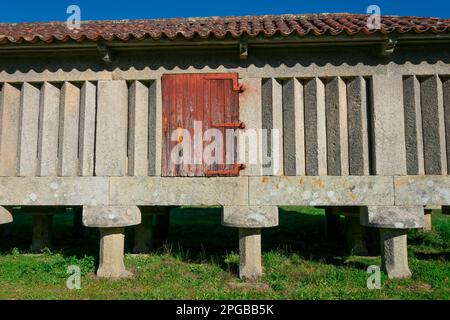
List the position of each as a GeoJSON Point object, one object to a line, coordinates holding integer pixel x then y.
{"type": "Point", "coordinates": [394, 223]}
{"type": "Point", "coordinates": [427, 224]}
{"type": "Point", "coordinates": [143, 233]}
{"type": "Point", "coordinates": [356, 236]}
{"type": "Point", "coordinates": [333, 223]}
{"type": "Point", "coordinates": [162, 225]}
{"type": "Point", "coordinates": [250, 267]}
{"type": "Point", "coordinates": [394, 253]}
{"type": "Point", "coordinates": [249, 220]}
{"type": "Point", "coordinates": [78, 228]}
{"type": "Point", "coordinates": [111, 220]}
{"type": "Point", "coordinates": [111, 265]}
{"type": "Point", "coordinates": [42, 224]}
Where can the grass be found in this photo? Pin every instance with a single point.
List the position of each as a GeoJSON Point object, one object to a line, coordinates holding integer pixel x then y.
{"type": "Point", "coordinates": [200, 261]}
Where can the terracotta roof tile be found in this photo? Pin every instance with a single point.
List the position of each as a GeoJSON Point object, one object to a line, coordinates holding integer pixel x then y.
{"type": "Point", "coordinates": [217, 27]}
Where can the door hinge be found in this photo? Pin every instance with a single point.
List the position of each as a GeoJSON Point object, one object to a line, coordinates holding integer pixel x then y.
{"type": "Point", "coordinates": [227, 76]}
{"type": "Point", "coordinates": [237, 125]}
{"type": "Point", "coordinates": [237, 167]}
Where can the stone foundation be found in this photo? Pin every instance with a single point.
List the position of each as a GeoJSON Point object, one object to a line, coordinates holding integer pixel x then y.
{"type": "Point", "coordinates": [333, 224]}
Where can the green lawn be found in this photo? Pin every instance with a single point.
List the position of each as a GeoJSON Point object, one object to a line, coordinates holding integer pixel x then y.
{"type": "Point", "coordinates": [200, 262]}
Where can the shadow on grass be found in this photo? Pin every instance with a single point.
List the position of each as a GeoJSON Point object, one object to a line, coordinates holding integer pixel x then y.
{"type": "Point", "coordinates": [19, 235]}
{"type": "Point", "coordinates": [196, 235]}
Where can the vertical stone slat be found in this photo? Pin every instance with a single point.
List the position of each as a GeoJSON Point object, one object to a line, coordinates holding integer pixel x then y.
{"type": "Point", "coordinates": [289, 133]}
{"type": "Point", "coordinates": [48, 130]}
{"type": "Point", "coordinates": [111, 133]}
{"type": "Point", "coordinates": [441, 117]}
{"type": "Point", "coordinates": [357, 127]}
{"type": "Point", "coordinates": [88, 105]}
{"type": "Point", "coordinates": [446, 100]}
{"type": "Point", "coordinates": [321, 129]}
{"type": "Point", "coordinates": [311, 138]}
{"type": "Point", "coordinates": [431, 125]}
{"type": "Point", "coordinates": [333, 127]}
{"type": "Point", "coordinates": [154, 129]}
{"type": "Point", "coordinates": [412, 159]}
{"type": "Point", "coordinates": [315, 128]}
{"type": "Point", "coordinates": [277, 133]}
{"type": "Point", "coordinates": [69, 130]}
{"type": "Point", "coordinates": [343, 126]}
{"type": "Point", "coordinates": [9, 129]}
{"type": "Point", "coordinates": [28, 130]}
{"type": "Point", "coordinates": [389, 149]}
{"type": "Point", "coordinates": [251, 113]}
{"type": "Point", "coordinates": [138, 131]}
{"type": "Point", "coordinates": [419, 133]}
{"type": "Point", "coordinates": [413, 126]}
{"type": "Point", "coordinates": [267, 124]}
{"type": "Point", "coordinates": [299, 127]}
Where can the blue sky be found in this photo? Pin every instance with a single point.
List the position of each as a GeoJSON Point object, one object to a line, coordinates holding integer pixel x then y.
{"type": "Point", "coordinates": [47, 10]}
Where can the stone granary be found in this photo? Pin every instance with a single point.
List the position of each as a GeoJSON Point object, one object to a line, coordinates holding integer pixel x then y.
{"type": "Point", "coordinates": [120, 120]}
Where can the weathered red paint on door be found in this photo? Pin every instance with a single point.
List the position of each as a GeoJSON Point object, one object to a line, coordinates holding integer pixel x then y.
{"type": "Point", "coordinates": [210, 99]}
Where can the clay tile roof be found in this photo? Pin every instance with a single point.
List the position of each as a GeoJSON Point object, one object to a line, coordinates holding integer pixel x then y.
{"type": "Point", "coordinates": [217, 27]}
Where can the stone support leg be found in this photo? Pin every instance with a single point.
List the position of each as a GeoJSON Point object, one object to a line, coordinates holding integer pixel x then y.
{"type": "Point", "coordinates": [394, 223]}
{"type": "Point", "coordinates": [333, 222]}
{"type": "Point", "coordinates": [112, 253]}
{"type": "Point", "coordinates": [394, 253]}
{"type": "Point", "coordinates": [42, 225]}
{"type": "Point", "coordinates": [427, 223]}
{"type": "Point", "coordinates": [355, 236]}
{"type": "Point", "coordinates": [111, 220]}
{"type": "Point", "coordinates": [78, 228]}
{"type": "Point", "coordinates": [162, 225]}
{"type": "Point", "coordinates": [143, 238]}
{"type": "Point", "coordinates": [250, 266]}
{"type": "Point", "coordinates": [249, 220]}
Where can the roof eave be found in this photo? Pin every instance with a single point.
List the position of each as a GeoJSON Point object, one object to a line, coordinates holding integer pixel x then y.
{"type": "Point", "coordinates": [261, 41]}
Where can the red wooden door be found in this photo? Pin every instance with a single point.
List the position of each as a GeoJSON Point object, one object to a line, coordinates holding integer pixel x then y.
{"type": "Point", "coordinates": [198, 110]}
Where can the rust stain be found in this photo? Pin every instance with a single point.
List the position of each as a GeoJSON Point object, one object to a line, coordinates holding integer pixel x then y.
{"type": "Point", "coordinates": [264, 180]}
{"type": "Point", "coordinates": [318, 184]}
{"type": "Point", "coordinates": [353, 196]}
{"type": "Point", "coordinates": [301, 181]}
